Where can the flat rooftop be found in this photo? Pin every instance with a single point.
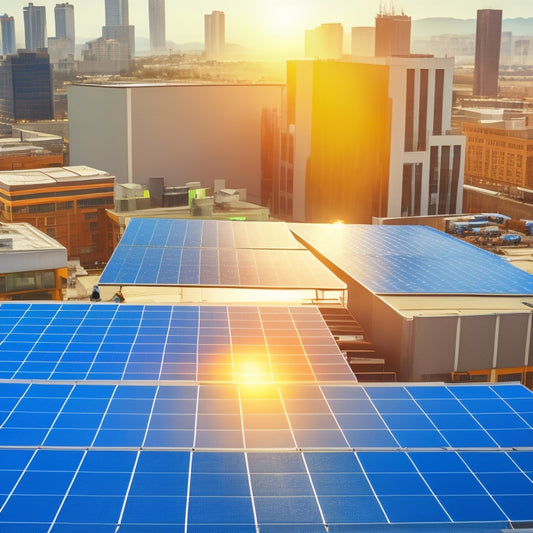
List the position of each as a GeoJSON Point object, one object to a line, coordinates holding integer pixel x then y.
{"type": "Point", "coordinates": [26, 238]}
{"type": "Point", "coordinates": [49, 176]}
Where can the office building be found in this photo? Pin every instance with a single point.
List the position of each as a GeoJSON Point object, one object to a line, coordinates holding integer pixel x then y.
{"type": "Point", "coordinates": [215, 35]}
{"type": "Point", "coordinates": [393, 35]}
{"type": "Point", "coordinates": [68, 204]}
{"type": "Point", "coordinates": [103, 56]}
{"type": "Point", "coordinates": [64, 16]}
{"type": "Point", "coordinates": [500, 152]}
{"type": "Point", "coordinates": [363, 152]}
{"type": "Point", "coordinates": [7, 25]}
{"type": "Point", "coordinates": [156, 15]}
{"type": "Point", "coordinates": [33, 266]}
{"type": "Point", "coordinates": [26, 89]}
{"type": "Point", "coordinates": [35, 27]}
{"type": "Point", "coordinates": [117, 13]}
{"type": "Point", "coordinates": [141, 131]}
{"type": "Point", "coordinates": [117, 27]}
{"type": "Point", "coordinates": [324, 42]}
{"type": "Point", "coordinates": [363, 41]}
{"type": "Point", "coordinates": [487, 59]}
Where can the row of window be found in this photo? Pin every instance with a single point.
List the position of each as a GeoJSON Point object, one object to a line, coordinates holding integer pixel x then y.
{"type": "Point", "coordinates": [62, 206]}
{"type": "Point", "coordinates": [27, 281]}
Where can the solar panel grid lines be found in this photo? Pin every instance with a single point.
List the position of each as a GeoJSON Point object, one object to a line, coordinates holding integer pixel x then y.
{"type": "Point", "coordinates": [215, 254]}
{"type": "Point", "coordinates": [413, 260]}
{"type": "Point", "coordinates": [175, 346]}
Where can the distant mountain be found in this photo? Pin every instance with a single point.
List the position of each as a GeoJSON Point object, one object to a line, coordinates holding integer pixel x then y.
{"type": "Point", "coordinates": [425, 28]}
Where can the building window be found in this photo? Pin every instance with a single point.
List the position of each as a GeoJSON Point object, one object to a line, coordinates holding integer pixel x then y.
{"type": "Point", "coordinates": [64, 206]}
{"type": "Point", "coordinates": [93, 226]}
{"type": "Point", "coordinates": [423, 112]}
{"type": "Point", "coordinates": [409, 110]}
{"type": "Point", "coordinates": [95, 202]}
{"type": "Point", "coordinates": [445, 178]}
{"type": "Point", "coordinates": [42, 208]}
{"type": "Point", "coordinates": [433, 180]}
{"type": "Point", "coordinates": [90, 216]}
{"type": "Point", "coordinates": [439, 101]}
{"type": "Point", "coordinates": [27, 281]}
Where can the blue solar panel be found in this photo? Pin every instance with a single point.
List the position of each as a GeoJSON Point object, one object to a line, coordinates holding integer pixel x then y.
{"type": "Point", "coordinates": [413, 260]}
{"type": "Point", "coordinates": [214, 253]}
{"type": "Point", "coordinates": [151, 454]}
{"type": "Point", "coordinates": [109, 342]}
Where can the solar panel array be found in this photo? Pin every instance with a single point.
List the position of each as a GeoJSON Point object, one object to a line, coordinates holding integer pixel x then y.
{"type": "Point", "coordinates": [413, 260]}
{"type": "Point", "coordinates": [188, 343]}
{"type": "Point", "coordinates": [214, 254]}
{"type": "Point", "coordinates": [251, 452]}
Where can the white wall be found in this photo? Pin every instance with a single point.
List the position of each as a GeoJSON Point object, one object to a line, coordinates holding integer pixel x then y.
{"type": "Point", "coordinates": [97, 129]}
{"type": "Point", "coordinates": [182, 132]}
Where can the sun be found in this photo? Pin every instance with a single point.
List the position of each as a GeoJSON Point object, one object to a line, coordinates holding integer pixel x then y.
{"type": "Point", "coordinates": [285, 18]}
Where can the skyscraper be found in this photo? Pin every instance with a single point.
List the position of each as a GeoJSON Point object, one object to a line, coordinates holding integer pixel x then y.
{"type": "Point", "coordinates": [215, 35]}
{"type": "Point", "coordinates": [117, 26]}
{"type": "Point", "coordinates": [156, 14]}
{"type": "Point", "coordinates": [393, 35]}
{"type": "Point", "coordinates": [488, 42]}
{"type": "Point", "coordinates": [117, 13]}
{"type": "Point", "coordinates": [35, 27]}
{"type": "Point", "coordinates": [9, 45]}
{"type": "Point", "coordinates": [64, 15]}
{"type": "Point", "coordinates": [26, 91]}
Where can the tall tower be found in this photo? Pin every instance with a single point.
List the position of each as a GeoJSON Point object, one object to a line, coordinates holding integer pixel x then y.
{"type": "Point", "coordinates": [117, 26]}
{"type": "Point", "coordinates": [64, 15]}
{"type": "Point", "coordinates": [156, 15]}
{"type": "Point", "coordinates": [488, 42]}
{"type": "Point", "coordinates": [9, 46]}
{"type": "Point", "coordinates": [215, 35]}
{"type": "Point", "coordinates": [117, 13]}
{"type": "Point", "coordinates": [393, 35]}
{"type": "Point", "coordinates": [35, 27]}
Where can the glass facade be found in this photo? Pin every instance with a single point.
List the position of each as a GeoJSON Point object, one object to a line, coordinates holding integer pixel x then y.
{"type": "Point", "coordinates": [26, 91]}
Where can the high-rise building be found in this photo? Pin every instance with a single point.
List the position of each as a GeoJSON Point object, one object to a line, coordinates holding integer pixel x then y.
{"type": "Point", "coordinates": [62, 47]}
{"type": "Point", "coordinates": [26, 89]}
{"type": "Point", "coordinates": [35, 27]}
{"type": "Point", "coordinates": [117, 26]}
{"type": "Point", "coordinates": [156, 15]}
{"type": "Point", "coordinates": [369, 139]}
{"type": "Point", "coordinates": [117, 13]}
{"type": "Point", "coordinates": [64, 15]}
{"type": "Point", "coordinates": [324, 41]}
{"type": "Point", "coordinates": [488, 43]}
{"type": "Point", "coordinates": [9, 45]}
{"type": "Point", "coordinates": [215, 35]}
{"type": "Point", "coordinates": [393, 35]}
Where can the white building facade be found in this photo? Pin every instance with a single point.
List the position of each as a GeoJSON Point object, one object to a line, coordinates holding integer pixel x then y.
{"type": "Point", "coordinates": [184, 133]}
{"type": "Point", "coordinates": [426, 161]}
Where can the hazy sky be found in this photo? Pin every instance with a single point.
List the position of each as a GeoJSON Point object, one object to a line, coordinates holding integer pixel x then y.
{"type": "Point", "coordinates": [252, 22]}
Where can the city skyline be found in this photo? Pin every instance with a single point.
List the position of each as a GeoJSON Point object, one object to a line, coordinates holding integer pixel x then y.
{"type": "Point", "coordinates": [258, 24]}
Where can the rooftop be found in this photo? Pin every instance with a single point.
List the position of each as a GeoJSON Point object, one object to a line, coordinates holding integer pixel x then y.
{"type": "Point", "coordinates": [49, 176]}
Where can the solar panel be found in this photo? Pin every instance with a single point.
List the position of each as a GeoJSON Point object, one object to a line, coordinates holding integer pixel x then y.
{"type": "Point", "coordinates": [413, 260]}
{"type": "Point", "coordinates": [214, 254]}
{"type": "Point", "coordinates": [243, 453]}
{"type": "Point", "coordinates": [187, 343]}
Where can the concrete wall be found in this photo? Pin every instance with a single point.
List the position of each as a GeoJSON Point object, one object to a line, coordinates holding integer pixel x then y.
{"type": "Point", "coordinates": [466, 343]}
{"type": "Point", "coordinates": [98, 129]}
{"type": "Point", "coordinates": [184, 133]}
